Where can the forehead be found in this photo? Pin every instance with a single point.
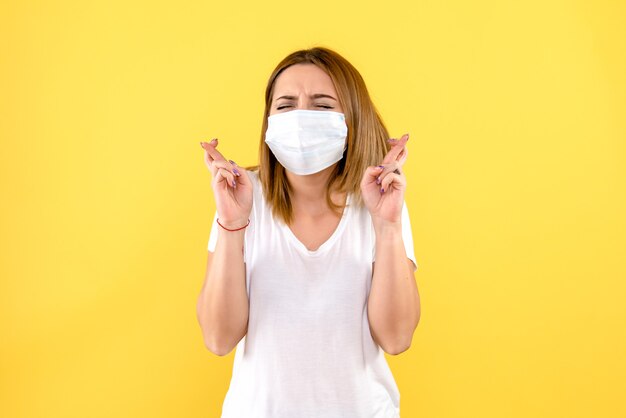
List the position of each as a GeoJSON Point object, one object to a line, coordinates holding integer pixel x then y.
{"type": "Point", "coordinates": [303, 78]}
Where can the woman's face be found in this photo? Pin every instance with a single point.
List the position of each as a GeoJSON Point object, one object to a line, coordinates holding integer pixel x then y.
{"type": "Point", "coordinates": [304, 86]}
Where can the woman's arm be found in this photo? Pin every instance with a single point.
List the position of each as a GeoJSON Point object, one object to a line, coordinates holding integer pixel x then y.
{"type": "Point", "coordinates": [223, 302]}
{"type": "Point", "coordinates": [393, 307]}
{"type": "Point", "coordinates": [222, 306]}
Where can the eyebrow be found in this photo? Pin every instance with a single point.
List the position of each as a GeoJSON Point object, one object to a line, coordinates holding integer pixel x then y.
{"type": "Point", "coordinates": [313, 96]}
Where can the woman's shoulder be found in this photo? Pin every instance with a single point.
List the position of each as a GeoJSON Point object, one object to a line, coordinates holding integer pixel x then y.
{"type": "Point", "coordinates": [253, 175]}
{"type": "Point", "coordinates": [359, 211]}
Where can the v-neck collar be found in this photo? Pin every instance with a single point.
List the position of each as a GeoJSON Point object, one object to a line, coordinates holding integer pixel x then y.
{"type": "Point", "coordinates": [322, 249]}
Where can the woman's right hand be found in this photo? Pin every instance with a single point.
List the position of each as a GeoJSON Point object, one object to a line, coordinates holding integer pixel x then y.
{"type": "Point", "coordinates": [231, 187]}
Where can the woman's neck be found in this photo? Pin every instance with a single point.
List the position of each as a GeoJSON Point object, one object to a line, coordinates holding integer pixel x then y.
{"type": "Point", "coordinates": [308, 193]}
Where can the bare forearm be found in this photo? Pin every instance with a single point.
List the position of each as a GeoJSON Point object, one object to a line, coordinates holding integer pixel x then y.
{"type": "Point", "coordinates": [223, 301]}
{"type": "Point", "coordinates": [393, 304]}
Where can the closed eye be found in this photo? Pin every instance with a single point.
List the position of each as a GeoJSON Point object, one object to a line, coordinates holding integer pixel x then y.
{"type": "Point", "coordinates": [320, 105]}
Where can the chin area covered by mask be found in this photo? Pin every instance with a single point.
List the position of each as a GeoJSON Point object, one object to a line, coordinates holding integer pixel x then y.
{"type": "Point", "coordinates": [307, 141]}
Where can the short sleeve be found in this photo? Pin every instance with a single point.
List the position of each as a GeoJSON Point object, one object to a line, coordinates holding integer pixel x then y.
{"type": "Point", "coordinates": [407, 237]}
{"type": "Point", "coordinates": [213, 234]}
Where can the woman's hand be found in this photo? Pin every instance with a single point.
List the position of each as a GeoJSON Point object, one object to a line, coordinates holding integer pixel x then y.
{"type": "Point", "coordinates": [382, 187]}
{"type": "Point", "coordinates": [231, 187]}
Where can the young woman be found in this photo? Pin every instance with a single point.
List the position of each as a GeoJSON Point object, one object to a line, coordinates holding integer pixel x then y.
{"type": "Point", "coordinates": [310, 270]}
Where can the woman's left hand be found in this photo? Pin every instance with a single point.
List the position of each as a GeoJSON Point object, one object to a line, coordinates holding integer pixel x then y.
{"type": "Point", "coordinates": [382, 187]}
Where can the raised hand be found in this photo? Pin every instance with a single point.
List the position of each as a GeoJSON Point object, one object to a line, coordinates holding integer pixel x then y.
{"type": "Point", "coordinates": [383, 186]}
{"type": "Point", "coordinates": [231, 187]}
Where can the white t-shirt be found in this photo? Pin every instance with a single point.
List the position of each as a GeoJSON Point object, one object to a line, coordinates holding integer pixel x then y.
{"type": "Point", "coordinates": [308, 351]}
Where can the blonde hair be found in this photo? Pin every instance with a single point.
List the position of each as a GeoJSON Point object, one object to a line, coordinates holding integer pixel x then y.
{"type": "Point", "coordinates": [366, 139]}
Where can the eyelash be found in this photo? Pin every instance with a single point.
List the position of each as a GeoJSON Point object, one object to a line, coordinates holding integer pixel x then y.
{"type": "Point", "coordinates": [284, 106]}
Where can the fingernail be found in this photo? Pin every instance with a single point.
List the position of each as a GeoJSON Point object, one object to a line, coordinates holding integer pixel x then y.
{"type": "Point", "coordinates": [232, 162]}
{"type": "Point", "coordinates": [234, 184]}
{"type": "Point", "coordinates": [236, 172]}
{"type": "Point", "coordinates": [382, 191]}
{"type": "Point", "coordinates": [378, 180]}
{"type": "Point", "coordinates": [380, 166]}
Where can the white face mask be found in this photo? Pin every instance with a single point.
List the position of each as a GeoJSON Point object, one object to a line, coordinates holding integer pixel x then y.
{"type": "Point", "coordinates": [307, 141]}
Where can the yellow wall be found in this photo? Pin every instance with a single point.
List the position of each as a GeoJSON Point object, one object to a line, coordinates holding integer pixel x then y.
{"type": "Point", "coordinates": [517, 194]}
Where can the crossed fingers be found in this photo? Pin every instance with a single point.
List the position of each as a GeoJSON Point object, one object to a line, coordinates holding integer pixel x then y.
{"type": "Point", "coordinates": [390, 170]}
{"type": "Point", "coordinates": [394, 160]}
{"type": "Point", "coordinates": [398, 151]}
{"type": "Point", "coordinates": [221, 169]}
